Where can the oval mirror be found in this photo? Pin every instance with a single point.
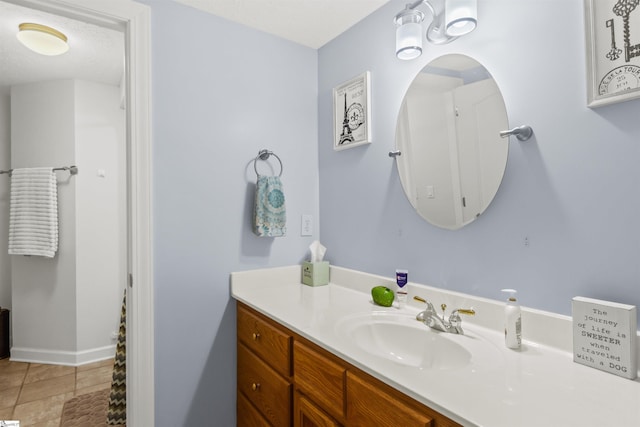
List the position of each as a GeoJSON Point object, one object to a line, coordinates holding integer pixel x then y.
{"type": "Point", "coordinates": [452, 157]}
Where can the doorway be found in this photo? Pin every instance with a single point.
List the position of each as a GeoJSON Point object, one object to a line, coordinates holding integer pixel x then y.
{"type": "Point", "coordinates": [133, 19]}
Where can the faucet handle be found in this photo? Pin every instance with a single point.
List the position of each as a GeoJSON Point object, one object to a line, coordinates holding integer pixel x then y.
{"type": "Point", "coordinates": [455, 321]}
{"type": "Point", "coordinates": [430, 307]}
{"type": "Point", "coordinates": [425, 315]}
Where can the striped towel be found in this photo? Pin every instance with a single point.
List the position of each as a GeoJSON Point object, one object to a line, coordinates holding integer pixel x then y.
{"type": "Point", "coordinates": [33, 219]}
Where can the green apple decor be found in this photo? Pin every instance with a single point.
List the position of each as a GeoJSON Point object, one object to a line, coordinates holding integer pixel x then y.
{"type": "Point", "coordinates": [382, 296]}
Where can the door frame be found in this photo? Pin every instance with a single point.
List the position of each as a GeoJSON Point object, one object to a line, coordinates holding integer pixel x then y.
{"type": "Point", "coordinates": [134, 19]}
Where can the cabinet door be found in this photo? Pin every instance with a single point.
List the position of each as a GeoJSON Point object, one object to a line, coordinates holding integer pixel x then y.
{"type": "Point", "coordinates": [264, 388]}
{"type": "Point", "coordinates": [319, 377]}
{"type": "Point", "coordinates": [306, 414]}
{"type": "Point", "coordinates": [370, 404]}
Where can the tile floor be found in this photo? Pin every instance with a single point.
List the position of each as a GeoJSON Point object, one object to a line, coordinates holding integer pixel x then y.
{"type": "Point", "coordinates": [35, 393]}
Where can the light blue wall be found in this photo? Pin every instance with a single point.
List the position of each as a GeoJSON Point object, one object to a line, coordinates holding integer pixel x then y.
{"type": "Point", "coordinates": [221, 92]}
{"type": "Point", "coordinates": [572, 190]}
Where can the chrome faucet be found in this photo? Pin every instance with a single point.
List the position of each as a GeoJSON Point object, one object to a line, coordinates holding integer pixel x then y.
{"type": "Point", "coordinates": [431, 318]}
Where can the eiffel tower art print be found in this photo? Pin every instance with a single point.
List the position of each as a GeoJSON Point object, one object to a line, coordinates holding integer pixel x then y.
{"type": "Point", "coordinates": [352, 113]}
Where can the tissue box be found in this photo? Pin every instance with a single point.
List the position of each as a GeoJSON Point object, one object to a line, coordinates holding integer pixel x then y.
{"type": "Point", "coordinates": [315, 273]}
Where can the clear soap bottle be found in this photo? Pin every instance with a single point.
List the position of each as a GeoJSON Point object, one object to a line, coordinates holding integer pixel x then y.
{"type": "Point", "coordinates": [512, 321]}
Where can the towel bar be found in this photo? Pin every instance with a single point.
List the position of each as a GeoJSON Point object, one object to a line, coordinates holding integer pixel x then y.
{"type": "Point", "coordinates": [73, 170]}
{"type": "Point", "coordinates": [264, 155]}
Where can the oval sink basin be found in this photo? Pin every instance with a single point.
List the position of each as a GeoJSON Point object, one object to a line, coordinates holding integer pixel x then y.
{"type": "Point", "coordinates": [403, 339]}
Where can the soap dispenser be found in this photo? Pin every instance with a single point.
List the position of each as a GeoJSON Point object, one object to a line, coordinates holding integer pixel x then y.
{"type": "Point", "coordinates": [512, 321]}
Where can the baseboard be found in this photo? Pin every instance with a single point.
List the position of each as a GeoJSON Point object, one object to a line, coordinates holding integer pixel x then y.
{"type": "Point", "coordinates": [67, 358]}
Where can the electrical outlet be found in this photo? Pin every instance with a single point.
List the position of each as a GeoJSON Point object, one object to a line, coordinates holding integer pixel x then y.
{"type": "Point", "coordinates": [306, 225]}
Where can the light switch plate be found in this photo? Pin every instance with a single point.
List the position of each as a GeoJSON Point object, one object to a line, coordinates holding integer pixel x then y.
{"type": "Point", "coordinates": [306, 225]}
{"type": "Point", "coordinates": [430, 193]}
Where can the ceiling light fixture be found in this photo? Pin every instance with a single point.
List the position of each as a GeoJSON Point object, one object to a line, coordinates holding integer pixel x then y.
{"type": "Point", "coordinates": [42, 39]}
{"type": "Point", "coordinates": [450, 20]}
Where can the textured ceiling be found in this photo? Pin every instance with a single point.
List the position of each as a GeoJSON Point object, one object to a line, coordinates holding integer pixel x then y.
{"type": "Point", "coordinates": [95, 53]}
{"type": "Point", "coordinates": [311, 23]}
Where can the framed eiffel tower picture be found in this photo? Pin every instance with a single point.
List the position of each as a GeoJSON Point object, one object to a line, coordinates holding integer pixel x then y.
{"type": "Point", "coordinates": [613, 51]}
{"type": "Point", "coordinates": [352, 113]}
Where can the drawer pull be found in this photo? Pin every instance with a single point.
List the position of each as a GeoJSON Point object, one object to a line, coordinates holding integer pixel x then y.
{"type": "Point", "coordinates": [255, 386]}
{"type": "Point", "coordinates": [256, 336]}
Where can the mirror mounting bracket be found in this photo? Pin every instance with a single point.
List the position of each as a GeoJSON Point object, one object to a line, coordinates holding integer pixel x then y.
{"type": "Point", "coordinates": [523, 133]}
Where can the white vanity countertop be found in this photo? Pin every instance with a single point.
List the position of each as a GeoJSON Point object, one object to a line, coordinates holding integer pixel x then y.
{"type": "Point", "coordinates": [539, 385]}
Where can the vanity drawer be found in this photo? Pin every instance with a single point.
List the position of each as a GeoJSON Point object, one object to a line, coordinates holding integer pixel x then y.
{"type": "Point", "coordinates": [263, 387]}
{"type": "Point", "coordinates": [248, 416]}
{"type": "Point", "coordinates": [264, 338]}
{"type": "Point", "coordinates": [320, 377]}
{"type": "Point", "coordinates": [371, 403]}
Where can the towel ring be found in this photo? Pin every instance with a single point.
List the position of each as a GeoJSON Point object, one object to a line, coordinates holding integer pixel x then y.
{"type": "Point", "coordinates": [264, 155]}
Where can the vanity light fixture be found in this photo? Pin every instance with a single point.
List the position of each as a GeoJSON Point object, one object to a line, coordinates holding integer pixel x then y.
{"type": "Point", "coordinates": [450, 20]}
{"type": "Point", "coordinates": [409, 33]}
{"type": "Point", "coordinates": [42, 39]}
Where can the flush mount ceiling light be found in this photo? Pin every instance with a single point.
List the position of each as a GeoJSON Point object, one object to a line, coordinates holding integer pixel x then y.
{"type": "Point", "coordinates": [450, 20]}
{"type": "Point", "coordinates": [42, 39]}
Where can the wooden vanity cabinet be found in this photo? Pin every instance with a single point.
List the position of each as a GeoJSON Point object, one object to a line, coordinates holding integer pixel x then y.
{"type": "Point", "coordinates": [286, 380]}
{"type": "Point", "coordinates": [264, 390]}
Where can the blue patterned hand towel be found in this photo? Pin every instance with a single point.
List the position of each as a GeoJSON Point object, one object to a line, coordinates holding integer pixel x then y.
{"type": "Point", "coordinates": [269, 215]}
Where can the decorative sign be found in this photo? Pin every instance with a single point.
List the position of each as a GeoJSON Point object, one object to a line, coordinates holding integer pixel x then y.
{"type": "Point", "coordinates": [613, 50]}
{"type": "Point", "coordinates": [352, 113]}
{"type": "Point", "coordinates": [604, 336]}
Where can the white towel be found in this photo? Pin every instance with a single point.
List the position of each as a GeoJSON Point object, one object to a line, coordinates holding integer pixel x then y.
{"type": "Point", "coordinates": [33, 218]}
